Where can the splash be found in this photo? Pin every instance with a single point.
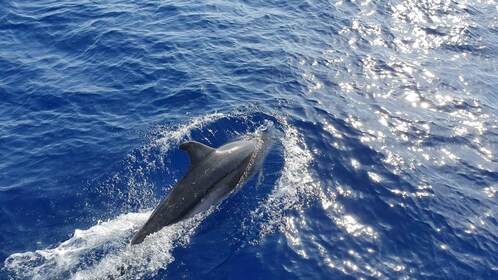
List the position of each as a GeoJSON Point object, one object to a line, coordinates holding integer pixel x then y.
{"type": "Point", "coordinates": [103, 251]}
{"type": "Point", "coordinates": [147, 258]}
{"type": "Point", "coordinates": [172, 137]}
{"type": "Point", "coordinates": [294, 187]}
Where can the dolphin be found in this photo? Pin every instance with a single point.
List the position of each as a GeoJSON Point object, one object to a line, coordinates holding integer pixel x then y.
{"type": "Point", "coordinates": [213, 174]}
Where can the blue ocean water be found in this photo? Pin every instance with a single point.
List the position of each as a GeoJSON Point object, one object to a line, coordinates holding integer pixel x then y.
{"type": "Point", "coordinates": [385, 115]}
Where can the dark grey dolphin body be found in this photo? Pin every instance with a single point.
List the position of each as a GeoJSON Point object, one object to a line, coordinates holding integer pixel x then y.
{"type": "Point", "coordinates": [212, 175]}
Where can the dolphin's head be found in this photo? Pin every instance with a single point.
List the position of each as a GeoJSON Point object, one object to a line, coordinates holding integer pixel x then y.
{"type": "Point", "coordinates": [248, 151]}
{"type": "Point", "coordinates": [243, 148]}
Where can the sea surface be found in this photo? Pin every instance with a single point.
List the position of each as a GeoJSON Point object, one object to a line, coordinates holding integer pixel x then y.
{"type": "Point", "coordinates": [384, 115]}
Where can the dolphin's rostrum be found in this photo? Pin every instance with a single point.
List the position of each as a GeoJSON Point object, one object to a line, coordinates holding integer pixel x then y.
{"type": "Point", "coordinates": [212, 175]}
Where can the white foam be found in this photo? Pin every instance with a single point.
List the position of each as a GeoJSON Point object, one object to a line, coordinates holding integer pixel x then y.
{"type": "Point", "coordinates": [172, 137]}
{"type": "Point", "coordinates": [294, 187]}
{"type": "Point", "coordinates": [146, 258]}
{"type": "Point", "coordinates": [103, 251]}
{"type": "Point", "coordinates": [55, 262]}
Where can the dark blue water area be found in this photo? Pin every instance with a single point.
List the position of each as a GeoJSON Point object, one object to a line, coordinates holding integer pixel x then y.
{"type": "Point", "coordinates": [383, 114]}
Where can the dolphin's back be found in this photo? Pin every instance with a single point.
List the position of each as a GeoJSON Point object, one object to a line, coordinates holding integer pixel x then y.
{"type": "Point", "coordinates": [212, 175]}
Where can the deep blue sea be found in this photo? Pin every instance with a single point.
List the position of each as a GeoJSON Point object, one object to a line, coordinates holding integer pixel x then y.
{"type": "Point", "coordinates": [385, 116]}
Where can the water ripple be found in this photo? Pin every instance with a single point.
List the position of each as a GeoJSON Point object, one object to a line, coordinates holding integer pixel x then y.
{"type": "Point", "coordinates": [385, 111]}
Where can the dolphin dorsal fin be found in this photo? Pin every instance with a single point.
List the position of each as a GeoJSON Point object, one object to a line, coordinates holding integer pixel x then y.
{"type": "Point", "coordinates": [196, 150]}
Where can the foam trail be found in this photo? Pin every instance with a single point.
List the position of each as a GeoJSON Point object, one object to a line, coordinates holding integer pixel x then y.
{"type": "Point", "coordinates": [147, 258]}
{"type": "Point", "coordinates": [65, 258]}
{"type": "Point", "coordinates": [294, 186]}
{"type": "Point", "coordinates": [103, 251]}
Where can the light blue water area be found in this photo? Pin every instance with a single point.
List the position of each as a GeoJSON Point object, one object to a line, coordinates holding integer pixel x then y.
{"type": "Point", "coordinates": [385, 116]}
